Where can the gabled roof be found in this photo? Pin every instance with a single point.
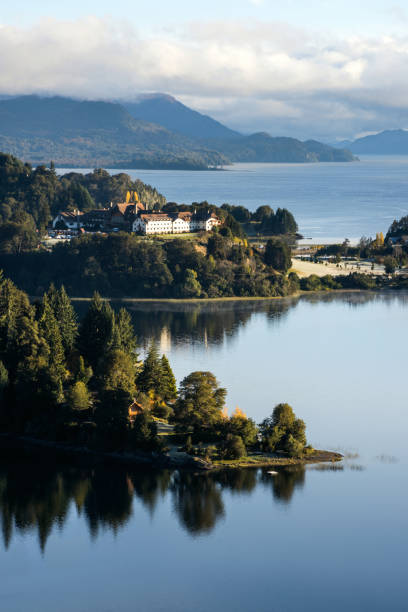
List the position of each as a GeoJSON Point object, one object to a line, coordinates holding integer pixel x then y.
{"type": "Point", "coordinates": [146, 217]}
{"type": "Point", "coordinates": [69, 215]}
{"type": "Point", "coordinates": [125, 208]}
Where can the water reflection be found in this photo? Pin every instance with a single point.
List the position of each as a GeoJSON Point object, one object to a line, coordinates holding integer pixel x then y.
{"type": "Point", "coordinates": [285, 482]}
{"type": "Point", "coordinates": [197, 502]}
{"type": "Point", "coordinates": [173, 324]}
{"type": "Point", "coordinates": [39, 495]}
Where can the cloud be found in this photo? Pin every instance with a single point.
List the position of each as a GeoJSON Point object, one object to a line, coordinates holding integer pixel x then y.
{"type": "Point", "coordinates": [251, 75]}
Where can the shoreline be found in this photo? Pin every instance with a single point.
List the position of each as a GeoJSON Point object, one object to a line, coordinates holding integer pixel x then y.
{"type": "Point", "coordinates": [256, 461]}
{"type": "Point", "coordinates": [162, 461]}
{"type": "Point", "coordinates": [296, 295]}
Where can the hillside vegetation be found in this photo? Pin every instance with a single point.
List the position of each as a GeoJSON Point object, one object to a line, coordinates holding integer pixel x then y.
{"type": "Point", "coordinates": [154, 132]}
{"type": "Point", "coordinates": [82, 134]}
{"type": "Point", "coordinates": [30, 198]}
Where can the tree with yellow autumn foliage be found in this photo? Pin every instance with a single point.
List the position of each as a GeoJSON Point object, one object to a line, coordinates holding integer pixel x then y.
{"type": "Point", "coordinates": [240, 425]}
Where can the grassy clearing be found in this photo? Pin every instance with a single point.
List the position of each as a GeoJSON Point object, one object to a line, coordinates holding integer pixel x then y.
{"type": "Point", "coordinates": [185, 236]}
{"type": "Point", "coordinates": [265, 461]}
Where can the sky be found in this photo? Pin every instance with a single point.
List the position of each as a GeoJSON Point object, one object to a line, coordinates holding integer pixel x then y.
{"type": "Point", "coordinates": [317, 69]}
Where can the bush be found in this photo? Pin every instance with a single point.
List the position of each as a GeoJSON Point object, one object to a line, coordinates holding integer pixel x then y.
{"type": "Point", "coordinates": [311, 283]}
{"type": "Point", "coordinates": [233, 447]}
{"type": "Point", "coordinates": [390, 264]}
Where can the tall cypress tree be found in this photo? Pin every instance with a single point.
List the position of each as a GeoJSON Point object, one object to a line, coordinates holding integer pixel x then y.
{"type": "Point", "coordinates": [168, 389]}
{"type": "Point", "coordinates": [65, 315]}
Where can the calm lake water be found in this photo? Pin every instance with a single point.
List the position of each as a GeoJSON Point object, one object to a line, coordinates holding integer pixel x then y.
{"type": "Point", "coordinates": [322, 538]}
{"type": "Point", "coordinates": [330, 201]}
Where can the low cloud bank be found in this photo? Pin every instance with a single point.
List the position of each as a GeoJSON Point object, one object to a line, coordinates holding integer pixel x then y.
{"type": "Point", "coordinates": [252, 76]}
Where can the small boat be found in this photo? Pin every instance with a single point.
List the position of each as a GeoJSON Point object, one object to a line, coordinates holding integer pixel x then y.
{"type": "Point", "coordinates": [272, 473]}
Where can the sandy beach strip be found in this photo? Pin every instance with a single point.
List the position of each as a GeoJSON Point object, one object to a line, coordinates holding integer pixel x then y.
{"type": "Point", "coordinates": [306, 268]}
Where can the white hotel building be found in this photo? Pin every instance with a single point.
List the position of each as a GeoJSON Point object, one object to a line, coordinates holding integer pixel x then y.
{"type": "Point", "coordinates": [174, 223]}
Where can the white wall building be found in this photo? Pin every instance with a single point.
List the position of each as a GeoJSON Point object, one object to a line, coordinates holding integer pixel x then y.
{"type": "Point", "coordinates": [71, 220]}
{"type": "Point", "coordinates": [153, 224]}
{"type": "Point", "coordinates": [174, 223]}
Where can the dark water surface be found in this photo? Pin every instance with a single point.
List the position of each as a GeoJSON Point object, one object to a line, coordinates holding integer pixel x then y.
{"type": "Point", "coordinates": [98, 539]}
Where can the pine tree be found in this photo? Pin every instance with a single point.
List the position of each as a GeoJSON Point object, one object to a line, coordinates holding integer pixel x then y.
{"type": "Point", "coordinates": [125, 338]}
{"type": "Point", "coordinates": [97, 331]}
{"type": "Point", "coordinates": [3, 379]}
{"type": "Point", "coordinates": [19, 337]}
{"type": "Point", "coordinates": [151, 375]}
{"type": "Point", "coordinates": [168, 387]}
{"type": "Point", "coordinates": [50, 331]}
{"type": "Point", "coordinates": [82, 373]}
{"type": "Point", "coordinates": [65, 315]}
{"type": "Point", "coordinates": [78, 397]}
{"type": "Point", "coordinates": [118, 369]}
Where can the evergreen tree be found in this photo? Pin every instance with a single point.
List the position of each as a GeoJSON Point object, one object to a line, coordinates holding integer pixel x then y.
{"type": "Point", "coordinates": [262, 213]}
{"type": "Point", "coordinates": [118, 369]}
{"type": "Point", "coordinates": [278, 255]}
{"type": "Point", "coordinates": [282, 222]}
{"type": "Point", "coordinates": [150, 378]}
{"type": "Point", "coordinates": [82, 372]}
{"type": "Point", "coordinates": [78, 397]}
{"type": "Point", "coordinates": [50, 331]}
{"type": "Point", "coordinates": [3, 379]}
{"type": "Point", "coordinates": [19, 335]}
{"type": "Point", "coordinates": [65, 315]}
{"type": "Point", "coordinates": [125, 338]}
{"type": "Point", "coordinates": [97, 331]}
{"type": "Point", "coordinates": [168, 387]}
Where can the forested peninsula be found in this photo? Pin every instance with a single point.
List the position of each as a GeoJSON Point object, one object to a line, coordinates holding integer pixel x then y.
{"type": "Point", "coordinates": [81, 386]}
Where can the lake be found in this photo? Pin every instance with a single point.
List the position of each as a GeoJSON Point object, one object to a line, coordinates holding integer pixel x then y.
{"type": "Point", "coordinates": [330, 201]}
{"type": "Point", "coordinates": [99, 539]}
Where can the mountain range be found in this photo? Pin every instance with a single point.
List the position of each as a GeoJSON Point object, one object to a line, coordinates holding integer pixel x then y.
{"type": "Point", "coordinates": [155, 131]}
{"type": "Point", "coordinates": [389, 142]}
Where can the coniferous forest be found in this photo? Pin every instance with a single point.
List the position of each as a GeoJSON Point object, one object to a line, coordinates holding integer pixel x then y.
{"type": "Point", "coordinates": [82, 383]}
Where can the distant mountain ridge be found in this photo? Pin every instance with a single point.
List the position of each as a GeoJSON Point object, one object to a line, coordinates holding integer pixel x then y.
{"type": "Point", "coordinates": [177, 117]}
{"type": "Point", "coordinates": [260, 147]}
{"type": "Point", "coordinates": [93, 133]}
{"type": "Point", "coordinates": [155, 131]}
{"type": "Point", "coordinates": [388, 142]}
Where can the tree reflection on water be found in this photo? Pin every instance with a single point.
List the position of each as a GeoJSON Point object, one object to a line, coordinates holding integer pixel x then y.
{"type": "Point", "coordinates": [38, 495]}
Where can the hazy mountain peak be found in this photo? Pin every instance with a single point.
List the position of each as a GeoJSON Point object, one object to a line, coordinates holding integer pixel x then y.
{"type": "Point", "coordinates": [388, 142]}
{"type": "Point", "coordinates": [177, 117]}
